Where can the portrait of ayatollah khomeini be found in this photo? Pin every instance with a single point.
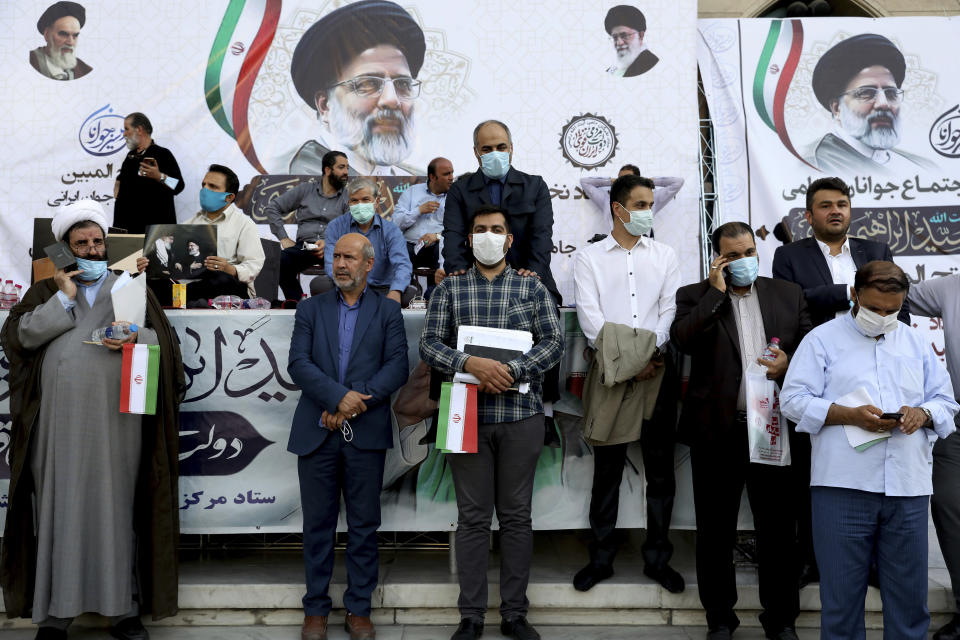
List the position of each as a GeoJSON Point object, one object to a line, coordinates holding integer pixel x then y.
{"type": "Point", "coordinates": [627, 26]}
{"type": "Point", "coordinates": [357, 67]}
{"type": "Point", "coordinates": [859, 82]}
{"type": "Point", "coordinates": [60, 27]}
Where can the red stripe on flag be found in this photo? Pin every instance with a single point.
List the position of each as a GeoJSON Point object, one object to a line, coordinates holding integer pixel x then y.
{"type": "Point", "coordinates": [248, 74]}
{"type": "Point", "coordinates": [783, 84]}
{"type": "Point", "coordinates": [127, 367]}
{"type": "Point", "coordinates": [470, 424]}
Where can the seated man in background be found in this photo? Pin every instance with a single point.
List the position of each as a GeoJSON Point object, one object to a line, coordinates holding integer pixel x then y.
{"type": "Point", "coordinates": [597, 188]}
{"type": "Point", "coordinates": [419, 214]}
{"type": "Point", "coordinates": [871, 393]}
{"type": "Point", "coordinates": [316, 204]}
{"type": "Point", "coordinates": [239, 256]}
{"type": "Point", "coordinates": [392, 269]}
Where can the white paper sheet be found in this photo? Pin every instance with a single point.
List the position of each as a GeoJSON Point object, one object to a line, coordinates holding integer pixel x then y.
{"type": "Point", "coordinates": [858, 436]}
{"type": "Point", "coordinates": [129, 297]}
{"type": "Point", "coordinates": [491, 337]}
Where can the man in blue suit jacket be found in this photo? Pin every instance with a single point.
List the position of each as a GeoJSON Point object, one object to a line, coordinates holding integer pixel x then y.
{"type": "Point", "coordinates": [348, 354]}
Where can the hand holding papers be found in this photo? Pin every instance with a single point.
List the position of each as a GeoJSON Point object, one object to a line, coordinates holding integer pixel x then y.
{"type": "Point", "coordinates": [502, 345]}
{"type": "Point", "coordinates": [859, 438]}
{"type": "Point", "coordinates": [129, 297]}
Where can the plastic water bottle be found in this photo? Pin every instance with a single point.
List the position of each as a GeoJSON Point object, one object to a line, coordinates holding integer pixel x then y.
{"type": "Point", "coordinates": [768, 354]}
{"type": "Point", "coordinates": [226, 302]}
{"type": "Point", "coordinates": [17, 294]}
{"type": "Point", "coordinates": [256, 303]}
{"type": "Point", "coordinates": [114, 332]}
{"type": "Point", "coordinates": [8, 293]}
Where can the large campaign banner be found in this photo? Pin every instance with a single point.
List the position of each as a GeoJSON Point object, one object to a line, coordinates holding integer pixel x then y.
{"type": "Point", "coordinates": [236, 475]}
{"type": "Point", "coordinates": [875, 102]}
{"type": "Point", "coordinates": [267, 86]}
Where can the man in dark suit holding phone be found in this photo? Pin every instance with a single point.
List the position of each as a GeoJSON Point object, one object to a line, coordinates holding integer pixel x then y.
{"type": "Point", "coordinates": [348, 354]}
{"type": "Point", "coordinates": [824, 266]}
{"type": "Point", "coordinates": [724, 323]}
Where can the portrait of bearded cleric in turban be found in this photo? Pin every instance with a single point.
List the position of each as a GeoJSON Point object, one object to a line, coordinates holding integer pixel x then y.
{"type": "Point", "coordinates": [859, 82]}
{"type": "Point", "coordinates": [627, 27]}
{"type": "Point", "coordinates": [357, 67]}
{"type": "Point", "coordinates": [60, 27]}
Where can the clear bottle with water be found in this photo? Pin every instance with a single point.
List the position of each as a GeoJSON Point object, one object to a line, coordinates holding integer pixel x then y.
{"type": "Point", "coordinates": [7, 294]}
{"type": "Point", "coordinates": [768, 353]}
{"type": "Point", "coordinates": [118, 331]}
{"type": "Point", "coordinates": [17, 294]}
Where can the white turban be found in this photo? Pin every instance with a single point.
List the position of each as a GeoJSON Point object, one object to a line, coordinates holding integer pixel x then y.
{"type": "Point", "coordinates": [79, 211]}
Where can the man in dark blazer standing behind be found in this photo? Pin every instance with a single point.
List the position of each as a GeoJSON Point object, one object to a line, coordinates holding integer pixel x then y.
{"type": "Point", "coordinates": [348, 354]}
{"type": "Point", "coordinates": [824, 266]}
{"type": "Point", "coordinates": [724, 323]}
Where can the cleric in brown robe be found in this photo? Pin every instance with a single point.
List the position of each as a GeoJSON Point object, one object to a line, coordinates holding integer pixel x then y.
{"type": "Point", "coordinates": [100, 484]}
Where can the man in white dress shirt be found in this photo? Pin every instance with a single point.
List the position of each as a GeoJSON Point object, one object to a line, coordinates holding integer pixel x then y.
{"type": "Point", "coordinates": [419, 214]}
{"type": "Point", "coordinates": [630, 279]}
{"type": "Point", "coordinates": [864, 379]}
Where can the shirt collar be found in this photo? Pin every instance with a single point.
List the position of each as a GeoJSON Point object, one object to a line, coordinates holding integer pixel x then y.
{"type": "Point", "coordinates": [220, 218]}
{"type": "Point", "coordinates": [487, 180]}
{"type": "Point", "coordinates": [610, 243]}
{"type": "Point", "coordinates": [825, 248]}
{"type": "Point", "coordinates": [377, 221]}
{"type": "Point", "coordinates": [750, 291]}
{"type": "Point", "coordinates": [343, 302]}
{"type": "Point", "coordinates": [480, 276]}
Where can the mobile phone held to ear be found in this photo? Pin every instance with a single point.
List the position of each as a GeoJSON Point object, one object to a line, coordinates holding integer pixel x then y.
{"type": "Point", "coordinates": [61, 256]}
{"type": "Point", "coordinates": [891, 416]}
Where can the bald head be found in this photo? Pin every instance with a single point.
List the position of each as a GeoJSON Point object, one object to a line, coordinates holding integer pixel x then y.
{"type": "Point", "coordinates": [352, 260]}
{"type": "Point", "coordinates": [439, 175]}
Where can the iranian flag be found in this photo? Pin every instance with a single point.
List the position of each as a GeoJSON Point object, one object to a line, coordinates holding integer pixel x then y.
{"type": "Point", "coordinates": [138, 380]}
{"type": "Point", "coordinates": [457, 418]}
{"type": "Point", "coordinates": [775, 70]}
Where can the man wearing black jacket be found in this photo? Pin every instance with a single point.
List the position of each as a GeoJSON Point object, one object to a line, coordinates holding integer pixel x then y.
{"type": "Point", "coordinates": [724, 323]}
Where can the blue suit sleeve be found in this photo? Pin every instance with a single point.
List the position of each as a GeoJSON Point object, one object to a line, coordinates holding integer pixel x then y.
{"type": "Point", "coordinates": [395, 370]}
{"type": "Point", "coordinates": [396, 249]}
{"type": "Point", "coordinates": [456, 252]}
{"type": "Point", "coordinates": [333, 234]}
{"type": "Point", "coordinates": [312, 380]}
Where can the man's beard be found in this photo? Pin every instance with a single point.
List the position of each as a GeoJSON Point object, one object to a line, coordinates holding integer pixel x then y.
{"type": "Point", "coordinates": [355, 132]}
{"type": "Point", "coordinates": [338, 183]}
{"type": "Point", "coordinates": [348, 285]}
{"type": "Point", "coordinates": [859, 127]}
{"type": "Point", "coordinates": [626, 56]}
{"type": "Point", "coordinates": [132, 142]}
{"type": "Point", "coordinates": [63, 60]}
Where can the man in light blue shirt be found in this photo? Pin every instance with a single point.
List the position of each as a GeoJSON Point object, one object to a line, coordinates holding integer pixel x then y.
{"type": "Point", "coordinates": [419, 214]}
{"type": "Point", "coordinates": [392, 270]}
{"type": "Point", "coordinates": [871, 501]}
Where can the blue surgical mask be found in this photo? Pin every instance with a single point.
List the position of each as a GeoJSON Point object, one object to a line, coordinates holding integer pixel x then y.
{"type": "Point", "coordinates": [744, 271]}
{"type": "Point", "coordinates": [640, 222]}
{"type": "Point", "coordinates": [495, 164]}
{"type": "Point", "coordinates": [92, 269]}
{"type": "Point", "coordinates": [211, 201]}
{"type": "Point", "coordinates": [362, 212]}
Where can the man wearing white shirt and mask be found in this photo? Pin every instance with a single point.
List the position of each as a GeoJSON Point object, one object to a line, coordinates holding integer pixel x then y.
{"type": "Point", "coordinates": [872, 501]}
{"type": "Point", "coordinates": [630, 279]}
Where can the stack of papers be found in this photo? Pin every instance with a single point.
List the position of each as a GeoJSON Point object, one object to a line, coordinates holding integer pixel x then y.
{"type": "Point", "coordinates": [859, 438]}
{"type": "Point", "coordinates": [129, 297]}
{"type": "Point", "coordinates": [502, 345]}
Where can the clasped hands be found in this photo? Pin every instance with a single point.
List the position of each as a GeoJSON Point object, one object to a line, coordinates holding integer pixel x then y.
{"type": "Point", "coordinates": [351, 405]}
{"type": "Point", "coordinates": [494, 377]}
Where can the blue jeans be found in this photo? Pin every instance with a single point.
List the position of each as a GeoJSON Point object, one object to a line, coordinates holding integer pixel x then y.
{"type": "Point", "coordinates": [848, 526]}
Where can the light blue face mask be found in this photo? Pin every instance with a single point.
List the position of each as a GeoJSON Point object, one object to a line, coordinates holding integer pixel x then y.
{"type": "Point", "coordinates": [92, 269]}
{"type": "Point", "coordinates": [640, 223]}
{"type": "Point", "coordinates": [744, 271]}
{"type": "Point", "coordinates": [495, 164]}
{"type": "Point", "coordinates": [211, 201]}
{"type": "Point", "coordinates": [362, 212]}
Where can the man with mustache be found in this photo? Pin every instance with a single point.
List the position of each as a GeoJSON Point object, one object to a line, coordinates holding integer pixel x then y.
{"type": "Point", "coordinates": [357, 67]}
{"type": "Point", "coordinates": [858, 81]}
{"type": "Point", "coordinates": [626, 26]}
{"type": "Point", "coordinates": [60, 26]}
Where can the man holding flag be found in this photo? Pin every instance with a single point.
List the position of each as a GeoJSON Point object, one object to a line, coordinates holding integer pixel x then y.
{"type": "Point", "coordinates": [509, 417]}
{"type": "Point", "coordinates": [99, 481]}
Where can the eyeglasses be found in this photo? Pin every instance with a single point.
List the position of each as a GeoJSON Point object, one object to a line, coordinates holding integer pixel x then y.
{"type": "Point", "coordinates": [869, 94]}
{"type": "Point", "coordinates": [84, 249]}
{"type": "Point", "coordinates": [406, 88]}
{"type": "Point", "coordinates": [623, 36]}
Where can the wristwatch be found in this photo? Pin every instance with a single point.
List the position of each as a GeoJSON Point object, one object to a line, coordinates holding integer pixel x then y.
{"type": "Point", "coordinates": [929, 415]}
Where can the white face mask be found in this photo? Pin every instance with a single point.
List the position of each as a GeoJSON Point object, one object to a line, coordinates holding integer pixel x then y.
{"type": "Point", "coordinates": [874, 324]}
{"type": "Point", "coordinates": [488, 247]}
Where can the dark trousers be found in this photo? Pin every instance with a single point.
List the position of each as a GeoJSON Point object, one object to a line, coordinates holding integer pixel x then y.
{"type": "Point", "coordinates": [210, 285]}
{"type": "Point", "coordinates": [720, 471]}
{"type": "Point", "coordinates": [851, 528]}
{"type": "Point", "coordinates": [657, 439]}
{"type": "Point", "coordinates": [428, 258]}
{"type": "Point", "coordinates": [945, 505]}
{"type": "Point", "coordinates": [293, 260]}
{"type": "Point", "coordinates": [800, 469]}
{"type": "Point", "coordinates": [337, 467]}
{"type": "Point", "coordinates": [499, 475]}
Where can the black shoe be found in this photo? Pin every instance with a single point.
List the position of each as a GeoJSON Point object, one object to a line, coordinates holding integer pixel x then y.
{"type": "Point", "coordinates": [468, 630]}
{"type": "Point", "coordinates": [949, 631]}
{"type": "Point", "coordinates": [668, 578]}
{"type": "Point", "coordinates": [873, 577]}
{"type": "Point", "coordinates": [809, 575]}
{"type": "Point", "coordinates": [130, 629]}
{"type": "Point", "coordinates": [787, 633]}
{"type": "Point", "coordinates": [519, 629]}
{"type": "Point", "coordinates": [591, 575]}
{"type": "Point", "coordinates": [722, 632]}
{"type": "Point", "coordinates": [50, 633]}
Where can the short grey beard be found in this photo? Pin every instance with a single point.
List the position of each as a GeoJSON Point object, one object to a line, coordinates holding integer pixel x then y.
{"type": "Point", "coordinates": [627, 58]}
{"type": "Point", "coordinates": [859, 127]}
{"type": "Point", "coordinates": [66, 61]}
{"type": "Point", "coordinates": [355, 132]}
{"type": "Point", "coordinates": [347, 286]}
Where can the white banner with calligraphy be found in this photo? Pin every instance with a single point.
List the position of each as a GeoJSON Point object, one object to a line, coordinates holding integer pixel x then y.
{"type": "Point", "coordinates": [215, 79]}
{"type": "Point", "coordinates": [785, 112]}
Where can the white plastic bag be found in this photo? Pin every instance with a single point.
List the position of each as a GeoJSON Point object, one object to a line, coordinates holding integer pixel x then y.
{"type": "Point", "coordinates": [766, 429]}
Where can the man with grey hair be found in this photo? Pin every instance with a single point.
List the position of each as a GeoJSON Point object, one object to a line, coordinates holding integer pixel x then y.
{"type": "Point", "coordinates": [523, 197]}
{"type": "Point", "coordinates": [392, 270]}
{"type": "Point", "coordinates": [60, 27]}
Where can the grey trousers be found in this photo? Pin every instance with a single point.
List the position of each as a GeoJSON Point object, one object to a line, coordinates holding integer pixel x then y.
{"type": "Point", "coordinates": [945, 505]}
{"type": "Point", "coordinates": [499, 475]}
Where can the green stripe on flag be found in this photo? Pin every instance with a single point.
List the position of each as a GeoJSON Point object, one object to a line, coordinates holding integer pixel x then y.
{"type": "Point", "coordinates": [760, 76]}
{"type": "Point", "coordinates": [443, 416]}
{"type": "Point", "coordinates": [211, 80]}
{"type": "Point", "coordinates": [153, 375]}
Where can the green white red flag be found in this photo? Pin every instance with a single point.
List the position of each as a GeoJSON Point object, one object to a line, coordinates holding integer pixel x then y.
{"type": "Point", "coordinates": [139, 378]}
